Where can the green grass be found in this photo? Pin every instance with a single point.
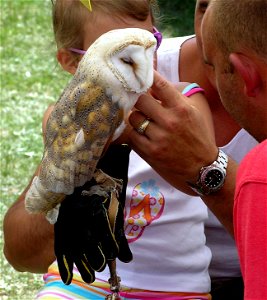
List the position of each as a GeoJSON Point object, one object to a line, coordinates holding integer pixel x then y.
{"type": "Point", "coordinates": [30, 81]}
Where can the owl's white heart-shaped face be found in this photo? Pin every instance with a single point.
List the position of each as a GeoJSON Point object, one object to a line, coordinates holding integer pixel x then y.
{"type": "Point", "coordinates": [126, 56]}
{"type": "Point", "coordinates": [133, 66]}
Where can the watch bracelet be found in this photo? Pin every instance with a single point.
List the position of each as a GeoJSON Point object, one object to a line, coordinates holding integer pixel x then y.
{"type": "Point", "coordinates": [220, 163]}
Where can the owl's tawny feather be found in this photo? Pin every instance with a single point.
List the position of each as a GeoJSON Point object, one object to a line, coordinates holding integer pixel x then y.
{"type": "Point", "coordinates": [113, 73]}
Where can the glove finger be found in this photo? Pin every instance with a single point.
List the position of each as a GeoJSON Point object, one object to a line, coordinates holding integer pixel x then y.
{"type": "Point", "coordinates": [106, 236]}
{"type": "Point", "coordinates": [95, 257]}
{"type": "Point", "coordinates": [83, 265]}
{"type": "Point", "coordinates": [103, 233]}
{"type": "Point", "coordinates": [110, 248]}
{"type": "Point", "coordinates": [125, 254]}
{"type": "Point", "coordinates": [65, 266]}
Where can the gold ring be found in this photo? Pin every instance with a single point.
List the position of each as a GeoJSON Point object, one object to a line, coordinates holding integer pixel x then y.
{"type": "Point", "coordinates": [143, 126]}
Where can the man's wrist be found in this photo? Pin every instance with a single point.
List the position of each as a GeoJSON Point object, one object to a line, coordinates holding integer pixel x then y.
{"type": "Point", "coordinates": [212, 177]}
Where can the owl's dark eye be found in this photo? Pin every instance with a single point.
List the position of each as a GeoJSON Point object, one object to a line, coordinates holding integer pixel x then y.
{"type": "Point", "coordinates": [127, 60]}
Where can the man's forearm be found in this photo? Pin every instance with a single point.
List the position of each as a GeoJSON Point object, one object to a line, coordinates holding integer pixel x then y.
{"type": "Point", "coordinates": [221, 203]}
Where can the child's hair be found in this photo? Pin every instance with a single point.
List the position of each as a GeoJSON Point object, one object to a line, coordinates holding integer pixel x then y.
{"type": "Point", "coordinates": [69, 16]}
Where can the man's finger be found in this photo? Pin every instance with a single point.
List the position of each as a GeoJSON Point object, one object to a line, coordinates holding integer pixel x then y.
{"type": "Point", "coordinates": [165, 91]}
{"type": "Point", "coordinates": [149, 106]}
{"type": "Point", "coordinates": [164, 95]}
{"type": "Point", "coordinates": [137, 119]}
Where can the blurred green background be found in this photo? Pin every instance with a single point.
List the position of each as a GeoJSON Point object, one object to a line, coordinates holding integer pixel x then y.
{"type": "Point", "coordinates": [177, 17]}
{"type": "Point", "coordinates": [30, 80]}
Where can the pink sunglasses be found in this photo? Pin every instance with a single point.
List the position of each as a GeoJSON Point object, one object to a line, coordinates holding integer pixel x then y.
{"type": "Point", "coordinates": [157, 35]}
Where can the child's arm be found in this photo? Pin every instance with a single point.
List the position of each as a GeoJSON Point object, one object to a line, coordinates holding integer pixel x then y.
{"type": "Point", "coordinates": [29, 238]}
{"type": "Point", "coordinates": [196, 98]}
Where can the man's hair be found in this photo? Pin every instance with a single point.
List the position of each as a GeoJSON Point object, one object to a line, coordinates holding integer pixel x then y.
{"type": "Point", "coordinates": [69, 16]}
{"type": "Point", "coordinates": [240, 24]}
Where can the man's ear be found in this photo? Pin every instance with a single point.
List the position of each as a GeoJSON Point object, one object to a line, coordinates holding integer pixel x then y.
{"type": "Point", "coordinates": [248, 70]}
{"type": "Point", "coordinates": [68, 61]}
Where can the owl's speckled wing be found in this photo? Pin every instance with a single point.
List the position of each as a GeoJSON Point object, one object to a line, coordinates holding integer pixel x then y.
{"type": "Point", "coordinates": [77, 132]}
{"type": "Point", "coordinates": [78, 129]}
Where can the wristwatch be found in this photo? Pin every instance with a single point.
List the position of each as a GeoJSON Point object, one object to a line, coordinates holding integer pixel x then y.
{"type": "Point", "coordinates": [212, 177]}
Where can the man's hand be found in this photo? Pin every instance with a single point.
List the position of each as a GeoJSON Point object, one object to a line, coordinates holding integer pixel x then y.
{"type": "Point", "coordinates": [179, 139]}
{"type": "Point", "coordinates": [90, 226]}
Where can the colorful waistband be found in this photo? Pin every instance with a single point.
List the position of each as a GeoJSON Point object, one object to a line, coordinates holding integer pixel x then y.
{"type": "Point", "coordinates": [54, 289]}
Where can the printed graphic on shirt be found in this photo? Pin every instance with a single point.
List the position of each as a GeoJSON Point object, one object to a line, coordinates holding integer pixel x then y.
{"type": "Point", "coordinates": [146, 205]}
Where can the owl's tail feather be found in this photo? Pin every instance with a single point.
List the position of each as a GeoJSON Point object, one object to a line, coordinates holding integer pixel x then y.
{"type": "Point", "coordinates": [39, 200]}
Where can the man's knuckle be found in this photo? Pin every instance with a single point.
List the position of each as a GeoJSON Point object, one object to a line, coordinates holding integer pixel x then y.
{"type": "Point", "coordinates": [162, 83]}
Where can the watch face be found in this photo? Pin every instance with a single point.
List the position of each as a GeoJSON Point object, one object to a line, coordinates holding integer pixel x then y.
{"type": "Point", "coordinates": [213, 178]}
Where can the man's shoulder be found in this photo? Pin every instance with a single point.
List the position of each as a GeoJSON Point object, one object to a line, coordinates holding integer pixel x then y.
{"type": "Point", "coordinates": [254, 164]}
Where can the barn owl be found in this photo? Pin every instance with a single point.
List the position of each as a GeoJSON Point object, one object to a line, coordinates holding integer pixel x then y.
{"type": "Point", "coordinates": [91, 112]}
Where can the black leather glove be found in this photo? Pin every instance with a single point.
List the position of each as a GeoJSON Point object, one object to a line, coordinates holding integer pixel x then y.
{"type": "Point", "coordinates": [90, 227]}
{"type": "Point", "coordinates": [115, 163]}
